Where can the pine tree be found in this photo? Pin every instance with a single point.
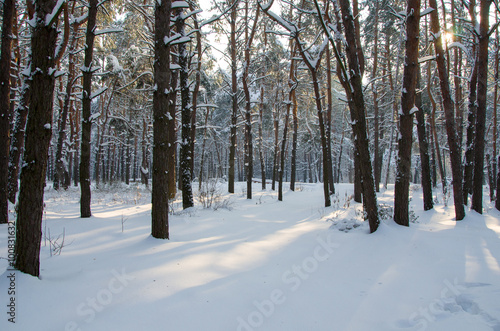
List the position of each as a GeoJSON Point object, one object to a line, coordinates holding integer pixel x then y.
{"type": "Point", "coordinates": [38, 135]}
{"type": "Point", "coordinates": [161, 99]}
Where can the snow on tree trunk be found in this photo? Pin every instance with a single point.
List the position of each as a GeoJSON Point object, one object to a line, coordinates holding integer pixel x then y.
{"type": "Point", "coordinates": [161, 98]}
{"type": "Point", "coordinates": [234, 99]}
{"type": "Point", "coordinates": [357, 108]}
{"type": "Point", "coordinates": [185, 155]}
{"type": "Point", "coordinates": [448, 106]}
{"type": "Point", "coordinates": [38, 135]}
{"type": "Point", "coordinates": [85, 210]}
{"type": "Point", "coordinates": [403, 172]}
{"type": "Point", "coordinates": [5, 115]}
{"type": "Point", "coordinates": [423, 145]}
{"type": "Point", "coordinates": [482, 91]}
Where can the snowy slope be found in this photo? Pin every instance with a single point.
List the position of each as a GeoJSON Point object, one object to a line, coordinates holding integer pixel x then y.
{"type": "Point", "coordinates": [258, 265]}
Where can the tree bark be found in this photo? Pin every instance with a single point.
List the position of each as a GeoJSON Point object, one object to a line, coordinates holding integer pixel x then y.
{"type": "Point", "coordinates": [61, 175]}
{"type": "Point", "coordinates": [455, 155]}
{"type": "Point", "coordinates": [161, 99]}
{"type": "Point", "coordinates": [261, 139]}
{"type": "Point", "coordinates": [402, 184]}
{"type": "Point", "coordinates": [85, 210]}
{"type": "Point", "coordinates": [18, 137]}
{"type": "Point", "coordinates": [423, 145]}
{"type": "Point", "coordinates": [234, 99]}
{"type": "Point", "coordinates": [376, 120]}
{"type": "Point", "coordinates": [38, 135]}
{"type": "Point", "coordinates": [248, 106]}
{"type": "Point", "coordinates": [482, 91]}
{"type": "Point", "coordinates": [5, 114]}
{"type": "Point", "coordinates": [185, 155]}
{"type": "Point", "coordinates": [357, 107]}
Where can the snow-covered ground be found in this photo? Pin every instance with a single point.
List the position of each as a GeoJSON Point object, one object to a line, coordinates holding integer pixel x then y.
{"type": "Point", "coordinates": [257, 265]}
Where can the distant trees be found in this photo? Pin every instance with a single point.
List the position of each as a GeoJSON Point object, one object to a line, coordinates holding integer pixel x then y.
{"type": "Point", "coordinates": [147, 105]}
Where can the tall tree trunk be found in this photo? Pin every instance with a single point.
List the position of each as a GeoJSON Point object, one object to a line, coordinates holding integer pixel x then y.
{"type": "Point", "coordinates": [482, 91]}
{"type": "Point", "coordinates": [376, 120]}
{"type": "Point", "coordinates": [234, 100]}
{"type": "Point", "coordinates": [86, 112]}
{"type": "Point", "coordinates": [18, 137]}
{"type": "Point", "coordinates": [471, 117]}
{"type": "Point", "coordinates": [276, 142]}
{"type": "Point", "coordinates": [196, 88]}
{"type": "Point", "coordinates": [402, 185]}
{"type": "Point", "coordinates": [261, 138]}
{"type": "Point", "coordinates": [496, 100]}
{"type": "Point", "coordinates": [185, 155]}
{"type": "Point", "coordinates": [61, 173]}
{"type": "Point", "coordinates": [423, 145]}
{"type": "Point", "coordinates": [455, 155]}
{"type": "Point", "coordinates": [161, 98]}
{"type": "Point", "coordinates": [202, 161]}
{"type": "Point", "coordinates": [38, 135]}
{"type": "Point", "coordinates": [292, 84]}
{"type": "Point", "coordinates": [144, 163]}
{"type": "Point", "coordinates": [295, 135]}
{"type": "Point", "coordinates": [329, 121]}
{"type": "Point", "coordinates": [248, 106]}
{"type": "Point", "coordinates": [357, 107]}
{"type": "Point", "coordinates": [5, 114]}
{"type": "Point", "coordinates": [172, 133]}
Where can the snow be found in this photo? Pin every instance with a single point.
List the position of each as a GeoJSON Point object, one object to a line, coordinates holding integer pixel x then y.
{"type": "Point", "coordinates": [259, 265]}
{"type": "Point", "coordinates": [98, 92]}
{"type": "Point", "coordinates": [179, 4]}
{"type": "Point", "coordinates": [49, 18]}
{"type": "Point", "coordinates": [426, 11]}
{"type": "Point", "coordinates": [108, 30]}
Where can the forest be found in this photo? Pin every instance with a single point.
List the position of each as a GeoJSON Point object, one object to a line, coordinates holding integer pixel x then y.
{"type": "Point", "coordinates": [178, 94]}
{"type": "Point", "coordinates": [171, 117]}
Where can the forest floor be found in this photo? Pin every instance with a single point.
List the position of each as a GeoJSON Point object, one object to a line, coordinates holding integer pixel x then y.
{"type": "Point", "coordinates": [257, 265]}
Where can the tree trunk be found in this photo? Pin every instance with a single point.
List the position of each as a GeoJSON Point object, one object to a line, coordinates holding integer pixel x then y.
{"type": "Point", "coordinates": [329, 121]}
{"type": "Point", "coordinates": [61, 173]}
{"type": "Point", "coordinates": [357, 107]}
{"type": "Point", "coordinates": [455, 155]}
{"type": "Point", "coordinates": [295, 135]}
{"type": "Point", "coordinates": [86, 113]}
{"type": "Point", "coordinates": [248, 106]}
{"type": "Point", "coordinates": [402, 184]}
{"type": "Point", "coordinates": [482, 91]}
{"type": "Point", "coordinates": [161, 98]}
{"type": "Point", "coordinates": [196, 89]}
{"type": "Point", "coordinates": [185, 156]}
{"type": "Point", "coordinates": [261, 139]}
{"type": "Point", "coordinates": [292, 84]}
{"type": "Point", "coordinates": [376, 124]}
{"type": "Point", "coordinates": [38, 135]}
{"type": "Point", "coordinates": [5, 114]}
{"type": "Point", "coordinates": [234, 99]}
{"type": "Point", "coordinates": [423, 145]}
{"type": "Point", "coordinates": [18, 137]}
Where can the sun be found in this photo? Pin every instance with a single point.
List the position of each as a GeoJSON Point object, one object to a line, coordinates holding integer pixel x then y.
{"type": "Point", "coordinates": [447, 38]}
